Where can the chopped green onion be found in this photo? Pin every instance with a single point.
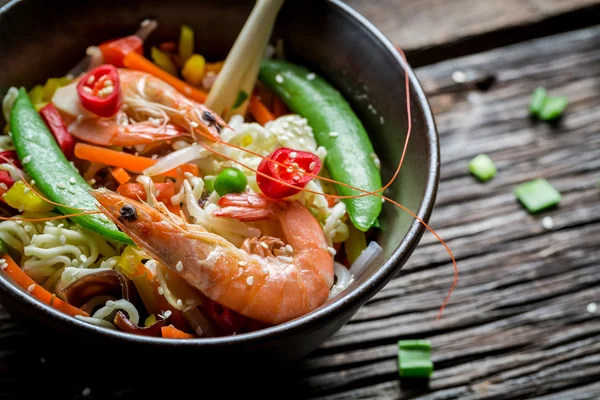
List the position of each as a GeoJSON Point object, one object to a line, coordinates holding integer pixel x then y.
{"type": "Point", "coordinates": [483, 167]}
{"type": "Point", "coordinates": [537, 101]}
{"type": "Point", "coordinates": [241, 97]}
{"type": "Point", "coordinates": [414, 359]}
{"type": "Point", "coordinates": [553, 108]}
{"type": "Point", "coordinates": [537, 195]}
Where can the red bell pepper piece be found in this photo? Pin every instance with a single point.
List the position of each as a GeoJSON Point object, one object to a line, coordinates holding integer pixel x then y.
{"type": "Point", "coordinates": [227, 322]}
{"type": "Point", "coordinates": [293, 172]}
{"type": "Point", "coordinates": [6, 179]}
{"type": "Point", "coordinates": [115, 50]}
{"type": "Point", "coordinates": [10, 156]}
{"type": "Point", "coordinates": [99, 90]}
{"type": "Point", "coordinates": [57, 126]}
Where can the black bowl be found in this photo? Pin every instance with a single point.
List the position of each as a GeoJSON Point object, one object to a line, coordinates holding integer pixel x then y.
{"type": "Point", "coordinates": [40, 39]}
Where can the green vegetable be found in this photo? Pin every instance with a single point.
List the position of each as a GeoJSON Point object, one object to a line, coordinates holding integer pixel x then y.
{"type": "Point", "coordinates": [537, 195]}
{"type": "Point", "coordinates": [186, 43]}
{"type": "Point", "coordinates": [553, 108]}
{"type": "Point", "coordinates": [56, 178]}
{"type": "Point", "coordinates": [355, 244]}
{"type": "Point", "coordinates": [483, 167]}
{"type": "Point", "coordinates": [230, 180]}
{"type": "Point", "coordinates": [163, 60]}
{"type": "Point", "coordinates": [337, 128]}
{"type": "Point", "coordinates": [209, 183]}
{"type": "Point", "coordinates": [414, 358]}
{"type": "Point", "coordinates": [241, 97]}
{"type": "Point", "coordinates": [537, 101]}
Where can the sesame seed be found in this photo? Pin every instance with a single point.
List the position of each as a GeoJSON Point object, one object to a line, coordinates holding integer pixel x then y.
{"type": "Point", "coordinates": [199, 331]}
{"type": "Point", "coordinates": [194, 124]}
{"type": "Point", "coordinates": [2, 260]}
{"type": "Point", "coordinates": [26, 190]}
{"type": "Point", "coordinates": [331, 251]}
{"type": "Point", "coordinates": [279, 78]}
{"type": "Point", "coordinates": [91, 79]}
{"type": "Point", "coordinates": [179, 266]}
{"type": "Point", "coordinates": [187, 90]}
{"type": "Point", "coordinates": [72, 181]}
{"type": "Point", "coordinates": [32, 182]}
{"type": "Point", "coordinates": [296, 178]}
{"type": "Point", "coordinates": [21, 208]}
{"type": "Point", "coordinates": [311, 76]}
{"type": "Point", "coordinates": [83, 258]}
{"type": "Point", "coordinates": [167, 313]}
{"type": "Point", "coordinates": [242, 263]}
{"type": "Point", "coordinates": [381, 120]}
{"type": "Point", "coordinates": [189, 302]}
{"type": "Point", "coordinates": [31, 288]}
{"type": "Point", "coordinates": [289, 248]}
{"type": "Point", "coordinates": [179, 303]}
{"type": "Point", "coordinates": [264, 245]}
{"type": "Point", "coordinates": [290, 170]}
{"type": "Point", "coordinates": [3, 266]}
{"type": "Point", "coordinates": [92, 181]}
{"type": "Point", "coordinates": [160, 290]}
{"type": "Point", "coordinates": [312, 165]}
{"type": "Point", "coordinates": [592, 308]}
{"type": "Point", "coordinates": [74, 262]}
{"type": "Point", "coordinates": [63, 239]}
{"type": "Point", "coordinates": [547, 223]}
{"type": "Point", "coordinates": [87, 89]}
{"type": "Point", "coordinates": [3, 186]}
{"type": "Point", "coordinates": [295, 165]}
{"type": "Point", "coordinates": [60, 225]}
{"type": "Point", "coordinates": [333, 134]}
{"type": "Point", "coordinates": [154, 156]}
{"type": "Point", "coordinates": [293, 155]}
{"type": "Point", "coordinates": [188, 175]}
{"type": "Point", "coordinates": [86, 392]}
{"type": "Point", "coordinates": [250, 280]}
{"type": "Point", "coordinates": [27, 159]}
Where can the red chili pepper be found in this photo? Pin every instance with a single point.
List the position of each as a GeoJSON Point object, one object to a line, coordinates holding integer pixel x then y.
{"type": "Point", "coordinates": [293, 172]}
{"type": "Point", "coordinates": [227, 321]}
{"type": "Point", "coordinates": [6, 179]}
{"type": "Point", "coordinates": [52, 118]}
{"type": "Point", "coordinates": [99, 90]}
{"type": "Point", "coordinates": [115, 50]}
{"type": "Point", "coordinates": [9, 156]}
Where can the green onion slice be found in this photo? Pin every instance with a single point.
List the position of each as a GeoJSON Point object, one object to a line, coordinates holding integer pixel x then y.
{"type": "Point", "coordinates": [537, 195]}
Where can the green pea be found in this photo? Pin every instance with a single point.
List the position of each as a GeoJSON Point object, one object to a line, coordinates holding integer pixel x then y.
{"type": "Point", "coordinates": [230, 180]}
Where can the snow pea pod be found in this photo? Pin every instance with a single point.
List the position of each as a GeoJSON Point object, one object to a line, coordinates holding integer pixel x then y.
{"type": "Point", "coordinates": [54, 176]}
{"type": "Point", "coordinates": [350, 156]}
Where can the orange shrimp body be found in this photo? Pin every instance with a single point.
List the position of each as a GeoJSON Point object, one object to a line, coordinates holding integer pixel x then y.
{"type": "Point", "coordinates": [270, 280]}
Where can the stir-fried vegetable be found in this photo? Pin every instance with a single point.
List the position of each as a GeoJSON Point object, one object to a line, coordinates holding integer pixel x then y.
{"type": "Point", "coordinates": [230, 180]}
{"type": "Point", "coordinates": [23, 280]}
{"type": "Point", "coordinates": [99, 90]}
{"type": "Point", "coordinates": [20, 197]}
{"type": "Point", "coordinates": [545, 107]}
{"type": "Point", "coordinates": [186, 43]}
{"type": "Point", "coordinates": [193, 70]}
{"type": "Point", "coordinates": [259, 111]}
{"type": "Point", "coordinates": [171, 332]}
{"type": "Point", "coordinates": [115, 50]}
{"type": "Point", "coordinates": [55, 123]}
{"type": "Point", "coordinates": [56, 178]}
{"type": "Point", "coordinates": [293, 172]}
{"type": "Point", "coordinates": [163, 60]}
{"type": "Point", "coordinates": [120, 175]}
{"type": "Point", "coordinates": [124, 160]}
{"type": "Point", "coordinates": [350, 155]}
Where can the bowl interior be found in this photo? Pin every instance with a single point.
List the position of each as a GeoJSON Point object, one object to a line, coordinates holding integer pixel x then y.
{"type": "Point", "coordinates": [326, 36]}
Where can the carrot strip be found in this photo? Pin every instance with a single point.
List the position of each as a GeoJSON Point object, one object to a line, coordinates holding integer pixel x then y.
{"type": "Point", "coordinates": [170, 331]}
{"type": "Point", "coordinates": [123, 160]}
{"type": "Point", "coordinates": [138, 62]}
{"type": "Point", "coordinates": [259, 111]}
{"type": "Point", "coordinates": [120, 175]}
{"type": "Point", "coordinates": [23, 280]}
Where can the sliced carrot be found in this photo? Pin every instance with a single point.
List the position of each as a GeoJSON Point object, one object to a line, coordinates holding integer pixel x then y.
{"type": "Point", "coordinates": [120, 175]}
{"type": "Point", "coordinates": [138, 62]}
{"type": "Point", "coordinates": [279, 108]}
{"type": "Point", "coordinates": [170, 331]}
{"type": "Point", "coordinates": [23, 280]}
{"type": "Point", "coordinates": [259, 111]}
{"type": "Point", "coordinates": [123, 160]}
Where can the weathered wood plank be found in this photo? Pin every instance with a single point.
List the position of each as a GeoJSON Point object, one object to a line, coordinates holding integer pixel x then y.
{"type": "Point", "coordinates": [434, 30]}
{"type": "Point", "coordinates": [517, 325]}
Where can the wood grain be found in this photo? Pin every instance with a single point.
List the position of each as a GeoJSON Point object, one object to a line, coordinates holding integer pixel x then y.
{"type": "Point", "coordinates": [434, 30]}
{"type": "Point", "coordinates": [517, 325]}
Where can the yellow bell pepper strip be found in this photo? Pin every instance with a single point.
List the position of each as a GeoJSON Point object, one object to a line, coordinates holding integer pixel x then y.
{"type": "Point", "coordinates": [186, 43]}
{"type": "Point", "coordinates": [193, 70]}
{"type": "Point", "coordinates": [163, 61]}
{"type": "Point", "coordinates": [20, 197]}
{"type": "Point", "coordinates": [350, 156]}
{"type": "Point", "coordinates": [37, 291]}
{"type": "Point", "coordinates": [55, 177]}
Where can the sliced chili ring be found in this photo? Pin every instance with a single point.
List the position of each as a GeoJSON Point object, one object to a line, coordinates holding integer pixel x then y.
{"type": "Point", "coordinates": [99, 90]}
{"type": "Point", "coordinates": [290, 166]}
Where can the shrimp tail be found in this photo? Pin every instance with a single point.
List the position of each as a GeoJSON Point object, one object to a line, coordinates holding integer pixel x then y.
{"type": "Point", "coordinates": [247, 207]}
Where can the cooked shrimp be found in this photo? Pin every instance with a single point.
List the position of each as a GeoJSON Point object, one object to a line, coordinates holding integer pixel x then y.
{"type": "Point", "coordinates": [270, 280]}
{"type": "Point", "coordinates": [151, 110]}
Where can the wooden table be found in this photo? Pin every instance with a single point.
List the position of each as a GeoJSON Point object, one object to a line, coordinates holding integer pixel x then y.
{"type": "Point", "coordinates": [520, 323]}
